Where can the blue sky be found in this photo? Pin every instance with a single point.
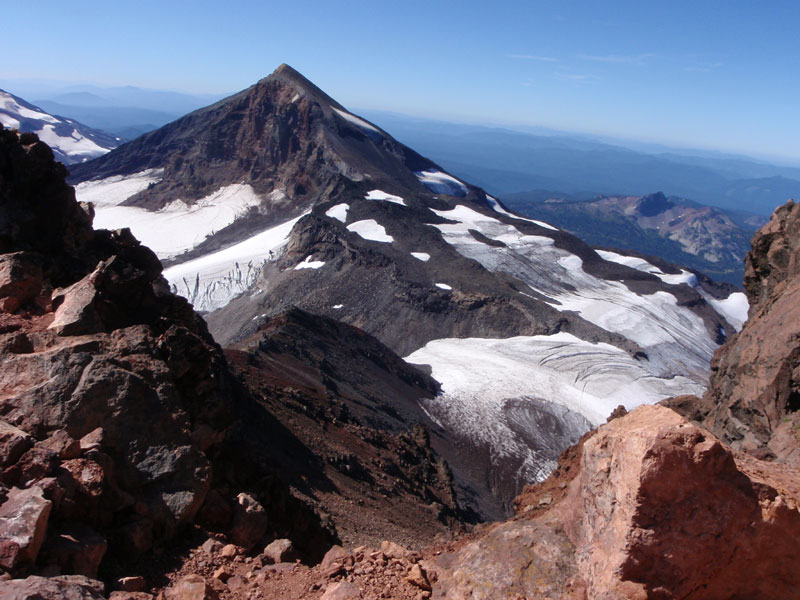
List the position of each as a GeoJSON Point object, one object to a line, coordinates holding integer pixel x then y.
{"type": "Point", "coordinates": [707, 74]}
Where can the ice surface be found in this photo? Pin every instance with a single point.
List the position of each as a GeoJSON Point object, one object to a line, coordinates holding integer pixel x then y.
{"type": "Point", "coordinates": [380, 195]}
{"type": "Point", "coordinates": [444, 286]}
{"type": "Point", "coordinates": [442, 183]}
{"type": "Point", "coordinates": [733, 308]}
{"type": "Point", "coordinates": [479, 376]}
{"type": "Point", "coordinates": [338, 212]}
{"type": "Point", "coordinates": [369, 229]}
{"type": "Point", "coordinates": [310, 264]}
{"type": "Point", "coordinates": [177, 227]}
{"type": "Point", "coordinates": [423, 256]}
{"type": "Point", "coordinates": [675, 339]}
{"type": "Point", "coordinates": [213, 280]}
{"type": "Point", "coordinates": [115, 190]}
{"type": "Point", "coordinates": [641, 264]}
{"type": "Point", "coordinates": [496, 205]}
{"type": "Point", "coordinates": [356, 121]}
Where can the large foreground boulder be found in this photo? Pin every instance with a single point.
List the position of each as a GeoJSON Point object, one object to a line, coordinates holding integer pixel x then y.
{"type": "Point", "coordinates": [660, 509]}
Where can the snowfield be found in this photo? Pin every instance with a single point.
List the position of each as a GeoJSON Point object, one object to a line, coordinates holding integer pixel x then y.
{"type": "Point", "coordinates": [310, 264]}
{"type": "Point", "coordinates": [734, 308]}
{"type": "Point", "coordinates": [213, 280]}
{"type": "Point", "coordinates": [73, 145]}
{"type": "Point", "coordinates": [674, 338]}
{"type": "Point", "coordinates": [423, 256]}
{"type": "Point", "coordinates": [338, 212]}
{"type": "Point", "coordinates": [442, 183]}
{"type": "Point", "coordinates": [112, 191]}
{"type": "Point", "coordinates": [380, 195]}
{"type": "Point", "coordinates": [67, 140]}
{"type": "Point", "coordinates": [369, 229]}
{"type": "Point", "coordinates": [176, 228]}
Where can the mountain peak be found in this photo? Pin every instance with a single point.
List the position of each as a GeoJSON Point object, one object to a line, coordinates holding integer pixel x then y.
{"type": "Point", "coordinates": [294, 78]}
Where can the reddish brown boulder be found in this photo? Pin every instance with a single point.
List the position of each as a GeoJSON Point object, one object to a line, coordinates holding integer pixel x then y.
{"type": "Point", "coordinates": [342, 590]}
{"type": "Point", "coordinates": [190, 587]}
{"type": "Point", "coordinates": [13, 442]}
{"type": "Point", "coordinates": [660, 509]}
{"type": "Point", "coordinates": [64, 587]}
{"type": "Point", "coordinates": [62, 444]}
{"type": "Point", "coordinates": [23, 526]}
{"type": "Point", "coordinates": [20, 280]}
{"type": "Point", "coordinates": [280, 551]}
{"type": "Point", "coordinates": [249, 522]}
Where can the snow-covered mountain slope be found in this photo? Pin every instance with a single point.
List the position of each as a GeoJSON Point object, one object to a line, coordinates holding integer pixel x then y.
{"type": "Point", "coordinates": [279, 197]}
{"type": "Point", "coordinates": [71, 142]}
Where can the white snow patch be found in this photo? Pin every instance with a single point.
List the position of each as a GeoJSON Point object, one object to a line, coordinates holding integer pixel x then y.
{"type": "Point", "coordinates": [75, 144]}
{"type": "Point", "coordinates": [8, 121]}
{"type": "Point", "coordinates": [7, 103]}
{"type": "Point", "coordinates": [441, 183]}
{"type": "Point", "coordinates": [381, 195]}
{"type": "Point", "coordinates": [179, 227]}
{"type": "Point", "coordinates": [295, 98]}
{"type": "Point", "coordinates": [338, 212]}
{"type": "Point", "coordinates": [112, 191]}
{"type": "Point", "coordinates": [337, 306]}
{"type": "Point", "coordinates": [423, 256]}
{"type": "Point", "coordinates": [641, 264]}
{"type": "Point", "coordinates": [734, 308]}
{"type": "Point", "coordinates": [213, 280]}
{"type": "Point", "coordinates": [310, 264]}
{"type": "Point", "coordinates": [467, 218]}
{"type": "Point", "coordinates": [356, 120]}
{"type": "Point", "coordinates": [443, 286]}
{"type": "Point", "coordinates": [370, 229]}
{"type": "Point", "coordinates": [496, 205]}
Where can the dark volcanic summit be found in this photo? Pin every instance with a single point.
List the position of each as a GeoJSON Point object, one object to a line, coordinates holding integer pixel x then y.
{"type": "Point", "coordinates": [283, 133]}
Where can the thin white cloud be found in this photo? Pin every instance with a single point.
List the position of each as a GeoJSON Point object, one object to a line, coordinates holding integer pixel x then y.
{"type": "Point", "coordinates": [618, 59]}
{"type": "Point", "coordinates": [535, 57]}
{"type": "Point", "coordinates": [576, 77]}
{"type": "Point", "coordinates": [703, 67]}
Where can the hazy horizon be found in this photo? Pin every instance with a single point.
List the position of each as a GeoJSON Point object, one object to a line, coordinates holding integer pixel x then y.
{"type": "Point", "coordinates": [704, 76]}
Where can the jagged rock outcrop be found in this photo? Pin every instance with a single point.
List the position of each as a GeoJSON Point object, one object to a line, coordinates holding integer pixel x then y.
{"type": "Point", "coordinates": [659, 508]}
{"type": "Point", "coordinates": [754, 391]}
{"type": "Point", "coordinates": [118, 410]}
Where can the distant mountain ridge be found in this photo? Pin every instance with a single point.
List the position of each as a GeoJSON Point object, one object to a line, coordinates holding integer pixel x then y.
{"type": "Point", "coordinates": [71, 141]}
{"type": "Point", "coordinates": [506, 162]}
{"type": "Point", "coordinates": [704, 238]}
